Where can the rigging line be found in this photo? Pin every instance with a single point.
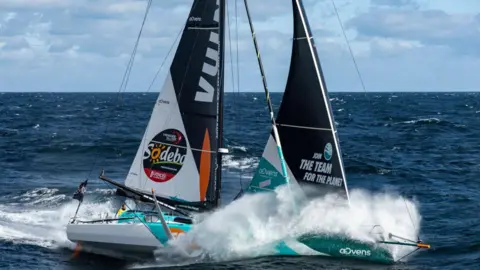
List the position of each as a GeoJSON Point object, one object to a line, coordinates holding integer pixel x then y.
{"type": "Point", "coordinates": [364, 89]}
{"type": "Point", "coordinates": [355, 64]}
{"type": "Point", "coordinates": [164, 60]}
{"type": "Point", "coordinates": [127, 73]}
{"type": "Point", "coordinates": [267, 96]}
{"type": "Point", "coordinates": [236, 37]}
{"type": "Point", "coordinates": [354, 60]}
{"type": "Point", "coordinates": [238, 84]}
{"type": "Point", "coordinates": [411, 219]}
{"type": "Point", "coordinates": [408, 254]}
{"type": "Point", "coordinates": [231, 55]}
{"type": "Point", "coordinates": [232, 67]}
{"type": "Point", "coordinates": [349, 48]}
{"type": "Point", "coordinates": [126, 77]}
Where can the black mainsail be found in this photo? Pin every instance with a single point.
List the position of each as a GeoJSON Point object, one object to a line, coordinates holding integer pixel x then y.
{"type": "Point", "coordinates": [305, 123]}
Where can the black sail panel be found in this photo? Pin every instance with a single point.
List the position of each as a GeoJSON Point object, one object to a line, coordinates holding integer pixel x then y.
{"type": "Point", "coordinates": [197, 75]}
{"type": "Point", "coordinates": [306, 125]}
{"type": "Point", "coordinates": [178, 156]}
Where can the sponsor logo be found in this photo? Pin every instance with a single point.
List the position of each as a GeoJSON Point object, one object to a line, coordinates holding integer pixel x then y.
{"type": "Point", "coordinates": [194, 19]}
{"type": "Point", "coordinates": [165, 155]}
{"type": "Point", "coordinates": [189, 207]}
{"type": "Point", "coordinates": [162, 101]}
{"type": "Point", "coordinates": [355, 252]}
{"type": "Point", "coordinates": [268, 173]}
{"type": "Point", "coordinates": [207, 89]}
{"type": "Point", "coordinates": [327, 151]}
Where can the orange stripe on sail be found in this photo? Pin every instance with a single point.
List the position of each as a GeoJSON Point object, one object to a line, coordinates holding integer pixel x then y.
{"type": "Point", "coordinates": [205, 163]}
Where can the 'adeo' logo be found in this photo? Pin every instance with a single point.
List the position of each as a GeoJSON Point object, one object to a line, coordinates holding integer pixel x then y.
{"type": "Point", "coordinates": [165, 155]}
{"type": "Point", "coordinates": [355, 252]}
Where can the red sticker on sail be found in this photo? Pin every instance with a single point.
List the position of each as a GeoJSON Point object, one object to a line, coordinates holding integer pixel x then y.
{"type": "Point", "coordinates": [164, 156]}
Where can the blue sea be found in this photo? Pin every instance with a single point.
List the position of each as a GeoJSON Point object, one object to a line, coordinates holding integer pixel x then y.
{"type": "Point", "coordinates": [423, 146]}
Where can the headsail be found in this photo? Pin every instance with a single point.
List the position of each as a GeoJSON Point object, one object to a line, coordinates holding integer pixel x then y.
{"type": "Point", "coordinates": [178, 154]}
{"type": "Point", "coordinates": [305, 122]}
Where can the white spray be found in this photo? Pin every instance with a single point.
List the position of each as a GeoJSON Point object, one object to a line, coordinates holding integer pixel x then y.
{"type": "Point", "coordinates": [39, 217]}
{"type": "Point", "coordinates": [248, 227]}
{"type": "Point", "coordinates": [244, 228]}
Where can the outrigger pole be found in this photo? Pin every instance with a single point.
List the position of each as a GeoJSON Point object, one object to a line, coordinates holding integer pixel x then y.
{"type": "Point", "coordinates": [418, 244]}
{"type": "Point", "coordinates": [162, 219]}
{"type": "Point", "coordinates": [76, 212]}
{"type": "Point", "coordinates": [412, 243]}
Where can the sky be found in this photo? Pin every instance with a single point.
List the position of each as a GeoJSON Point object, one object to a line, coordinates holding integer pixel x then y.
{"type": "Point", "coordinates": [85, 45]}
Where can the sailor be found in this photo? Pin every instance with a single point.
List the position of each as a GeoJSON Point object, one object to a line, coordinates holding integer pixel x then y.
{"type": "Point", "coordinates": [78, 195]}
{"type": "Point", "coordinates": [121, 210]}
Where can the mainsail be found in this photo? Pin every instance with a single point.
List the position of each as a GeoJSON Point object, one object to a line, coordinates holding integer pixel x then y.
{"type": "Point", "coordinates": [178, 155]}
{"type": "Point", "coordinates": [305, 124]}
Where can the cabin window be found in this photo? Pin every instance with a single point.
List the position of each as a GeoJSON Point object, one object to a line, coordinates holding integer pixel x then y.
{"type": "Point", "coordinates": [151, 218]}
{"type": "Point", "coordinates": [182, 220]}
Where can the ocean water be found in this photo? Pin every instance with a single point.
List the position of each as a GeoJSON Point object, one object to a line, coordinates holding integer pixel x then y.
{"type": "Point", "coordinates": [423, 147]}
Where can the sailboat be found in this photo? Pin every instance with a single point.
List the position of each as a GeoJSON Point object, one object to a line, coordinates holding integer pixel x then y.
{"type": "Point", "coordinates": [177, 167]}
{"type": "Point", "coordinates": [303, 151]}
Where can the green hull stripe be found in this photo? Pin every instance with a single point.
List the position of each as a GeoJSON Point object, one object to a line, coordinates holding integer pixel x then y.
{"type": "Point", "coordinates": [332, 245]}
{"type": "Point", "coordinates": [339, 246]}
{"type": "Point", "coordinates": [283, 249]}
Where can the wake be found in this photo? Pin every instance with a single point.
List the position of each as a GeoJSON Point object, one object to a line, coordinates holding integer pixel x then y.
{"type": "Point", "coordinates": [249, 226]}
{"type": "Point", "coordinates": [245, 228]}
{"type": "Point", "coordinates": [39, 217]}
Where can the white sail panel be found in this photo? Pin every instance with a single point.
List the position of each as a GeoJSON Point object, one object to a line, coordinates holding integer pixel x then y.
{"type": "Point", "coordinates": [268, 175]}
{"type": "Point", "coordinates": [164, 160]}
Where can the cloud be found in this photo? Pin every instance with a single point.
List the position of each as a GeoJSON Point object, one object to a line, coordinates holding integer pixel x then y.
{"type": "Point", "coordinates": [78, 45]}
{"type": "Point", "coordinates": [29, 5]}
{"type": "Point", "coordinates": [459, 32]}
{"type": "Point", "coordinates": [397, 3]}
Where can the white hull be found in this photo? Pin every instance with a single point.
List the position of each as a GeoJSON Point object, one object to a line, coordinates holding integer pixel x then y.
{"type": "Point", "coordinates": [130, 240]}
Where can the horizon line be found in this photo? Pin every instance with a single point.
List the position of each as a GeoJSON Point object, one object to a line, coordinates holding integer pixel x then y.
{"type": "Point", "coordinates": [246, 92]}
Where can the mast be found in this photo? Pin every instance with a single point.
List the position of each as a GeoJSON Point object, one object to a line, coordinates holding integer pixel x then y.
{"type": "Point", "coordinates": [267, 95]}
{"type": "Point", "coordinates": [221, 88]}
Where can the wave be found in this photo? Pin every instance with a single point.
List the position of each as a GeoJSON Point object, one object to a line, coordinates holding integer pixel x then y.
{"type": "Point", "coordinates": [232, 162]}
{"type": "Point", "coordinates": [39, 196]}
{"type": "Point", "coordinates": [429, 122]}
{"type": "Point", "coordinates": [432, 120]}
{"type": "Point", "coordinates": [247, 227]}
{"type": "Point", "coordinates": [39, 216]}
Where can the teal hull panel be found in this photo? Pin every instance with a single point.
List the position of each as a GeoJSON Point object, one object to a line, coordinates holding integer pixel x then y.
{"type": "Point", "coordinates": [310, 244]}
{"type": "Point", "coordinates": [334, 246]}
{"type": "Point", "coordinates": [152, 221]}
